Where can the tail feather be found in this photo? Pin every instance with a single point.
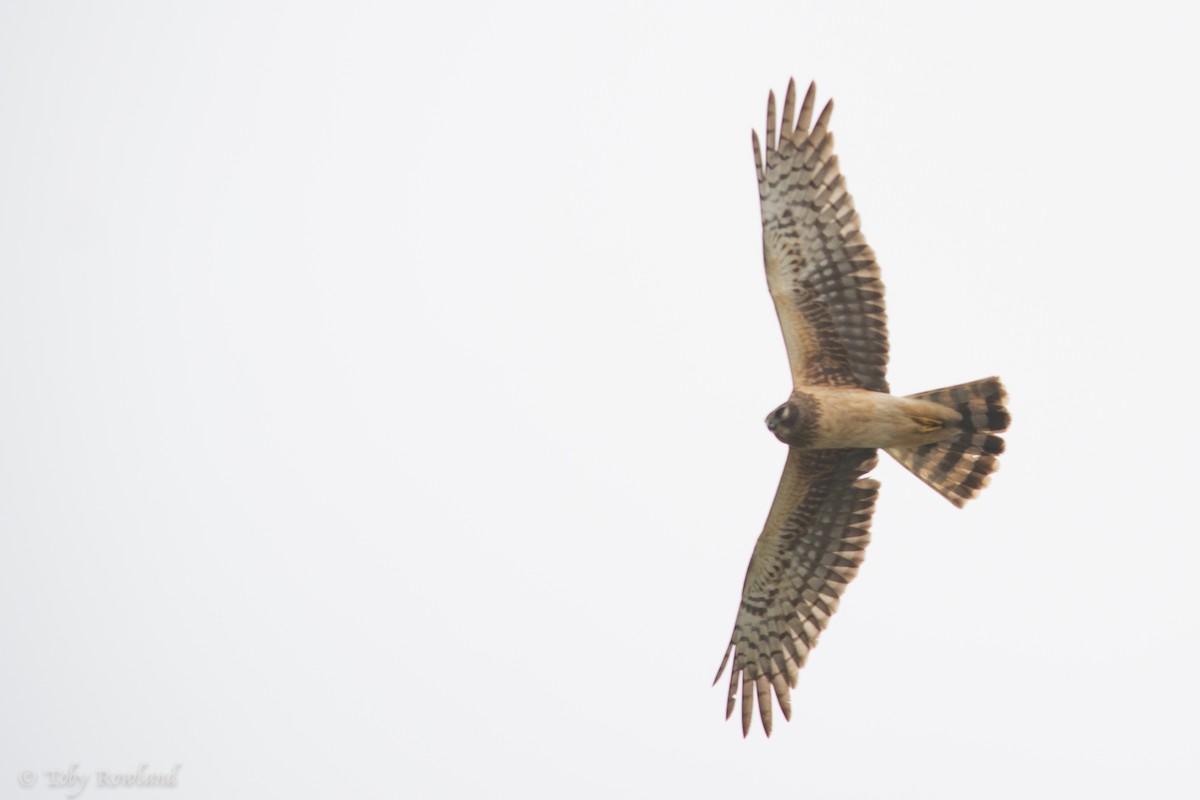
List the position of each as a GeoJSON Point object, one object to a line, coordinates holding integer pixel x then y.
{"type": "Point", "coordinates": [959, 467]}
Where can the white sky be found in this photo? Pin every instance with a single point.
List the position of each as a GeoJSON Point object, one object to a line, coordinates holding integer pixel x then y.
{"type": "Point", "coordinates": [381, 397]}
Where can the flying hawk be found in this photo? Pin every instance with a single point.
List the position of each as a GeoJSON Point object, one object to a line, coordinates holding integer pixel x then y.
{"type": "Point", "coordinates": [825, 283]}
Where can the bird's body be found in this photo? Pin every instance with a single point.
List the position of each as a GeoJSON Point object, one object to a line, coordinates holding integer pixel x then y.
{"type": "Point", "coordinates": [846, 417]}
{"type": "Point", "coordinates": [825, 285]}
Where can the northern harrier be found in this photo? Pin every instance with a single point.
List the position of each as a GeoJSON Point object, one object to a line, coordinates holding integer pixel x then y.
{"type": "Point", "coordinates": [829, 298]}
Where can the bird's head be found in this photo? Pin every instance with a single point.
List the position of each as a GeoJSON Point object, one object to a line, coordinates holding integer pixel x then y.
{"type": "Point", "coordinates": [793, 422]}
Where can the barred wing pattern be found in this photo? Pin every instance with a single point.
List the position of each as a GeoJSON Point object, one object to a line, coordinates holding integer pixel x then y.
{"type": "Point", "coordinates": [811, 547]}
{"type": "Point", "coordinates": [821, 272]}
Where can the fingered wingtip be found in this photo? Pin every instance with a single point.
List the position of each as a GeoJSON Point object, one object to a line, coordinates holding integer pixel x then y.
{"type": "Point", "coordinates": [823, 120]}
{"type": "Point", "coordinates": [806, 108]}
{"type": "Point", "coordinates": [770, 121]}
{"type": "Point", "coordinates": [789, 107]}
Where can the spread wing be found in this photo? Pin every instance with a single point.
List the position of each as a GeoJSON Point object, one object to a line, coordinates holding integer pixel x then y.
{"type": "Point", "coordinates": [821, 272]}
{"type": "Point", "coordinates": [811, 547]}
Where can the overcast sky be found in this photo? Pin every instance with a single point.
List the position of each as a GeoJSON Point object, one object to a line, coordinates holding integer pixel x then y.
{"type": "Point", "coordinates": [382, 385]}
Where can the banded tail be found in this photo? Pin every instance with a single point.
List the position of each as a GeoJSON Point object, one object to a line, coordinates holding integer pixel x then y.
{"type": "Point", "coordinates": [958, 468]}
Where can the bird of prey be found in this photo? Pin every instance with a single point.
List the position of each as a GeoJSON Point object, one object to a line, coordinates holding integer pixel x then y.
{"type": "Point", "coordinates": [825, 283]}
